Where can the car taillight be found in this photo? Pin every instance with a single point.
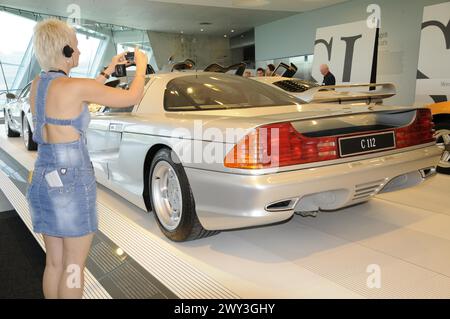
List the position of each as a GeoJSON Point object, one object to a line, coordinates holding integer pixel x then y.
{"type": "Point", "coordinates": [277, 145]}
{"type": "Point", "coordinates": [418, 132]}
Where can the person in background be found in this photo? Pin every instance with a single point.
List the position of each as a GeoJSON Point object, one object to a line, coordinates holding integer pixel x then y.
{"type": "Point", "coordinates": [248, 74]}
{"type": "Point", "coordinates": [260, 72]}
{"type": "Point", "coordinates": [270, 69]}
{"type": "Point", "coordinates": [328, 77]}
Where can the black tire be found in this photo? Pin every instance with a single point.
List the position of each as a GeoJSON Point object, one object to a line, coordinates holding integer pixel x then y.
{"type": "Point", "coordinates": [441, 168]}
{"type": "Point", "coordinates": [31, 145]}
{"type": "Point", "coordinates": [9, 132]}
{"type": "Point", "coordinates": [189, 227]}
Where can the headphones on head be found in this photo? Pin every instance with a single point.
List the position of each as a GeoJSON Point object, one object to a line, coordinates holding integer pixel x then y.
{"type": "Point", "coordinates": [68, 51]}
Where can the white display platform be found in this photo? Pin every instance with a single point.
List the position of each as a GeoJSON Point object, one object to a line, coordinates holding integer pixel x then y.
{"type": "Point", "coordinates": [403, 235]}
{"type": "Point", "coordinates": [5, 205]}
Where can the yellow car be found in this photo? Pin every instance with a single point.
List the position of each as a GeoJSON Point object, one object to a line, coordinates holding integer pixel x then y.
{"type": "Point", "coordinates": [441, 119]}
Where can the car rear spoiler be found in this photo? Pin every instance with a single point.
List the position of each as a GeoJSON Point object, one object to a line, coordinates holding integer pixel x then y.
{"type": "Point", "coordinates": [373, 93]}
{"type": "Point", "coordinates": [239, 67]}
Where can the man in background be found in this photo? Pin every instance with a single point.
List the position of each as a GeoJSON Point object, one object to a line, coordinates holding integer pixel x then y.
{"type": "Point", "coordinates": [328, 77]}
{"type": "Point", "coordinates": [248, 74]}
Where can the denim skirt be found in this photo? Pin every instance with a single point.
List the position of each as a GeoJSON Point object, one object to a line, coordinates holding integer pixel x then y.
{"type": "Point", "coordinates": [63, 191]}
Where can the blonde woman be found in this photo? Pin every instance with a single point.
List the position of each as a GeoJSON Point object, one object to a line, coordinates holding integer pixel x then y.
{"type": "Point", "coordinates": [62, 191]}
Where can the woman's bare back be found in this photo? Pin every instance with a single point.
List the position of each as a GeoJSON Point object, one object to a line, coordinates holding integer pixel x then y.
{"type": "Point", "coordinates": [60, 104]}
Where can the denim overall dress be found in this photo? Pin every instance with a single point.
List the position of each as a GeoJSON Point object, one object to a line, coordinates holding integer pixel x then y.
{"type": "Point", "coordinates": [62, 192]}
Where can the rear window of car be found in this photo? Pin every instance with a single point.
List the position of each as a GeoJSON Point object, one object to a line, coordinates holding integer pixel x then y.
{"type": "Point", "coordinates": [221, 91]}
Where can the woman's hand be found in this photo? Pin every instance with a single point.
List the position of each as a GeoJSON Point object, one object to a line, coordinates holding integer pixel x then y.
{"type": "Point", "coordinates": [92, 91]}
{"type": "Point", "coordinates": [118, 59]}
{"type": "Point", "coordinates": [141, 60]}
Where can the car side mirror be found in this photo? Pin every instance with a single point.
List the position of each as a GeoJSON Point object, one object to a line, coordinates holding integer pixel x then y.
{"type": "Point", "coordinates": [11, 96]}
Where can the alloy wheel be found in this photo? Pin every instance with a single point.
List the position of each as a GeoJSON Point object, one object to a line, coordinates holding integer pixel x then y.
{"type": "Point", "coordinates": [443, 141]}
{"type": "Point", "coordinates": [166, 193]}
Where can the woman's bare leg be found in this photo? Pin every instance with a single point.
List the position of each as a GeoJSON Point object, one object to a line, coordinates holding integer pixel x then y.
{"type": "Point", "coordinates": [53, 266]}
{"type": "Point", "coordinates": [75, 252]}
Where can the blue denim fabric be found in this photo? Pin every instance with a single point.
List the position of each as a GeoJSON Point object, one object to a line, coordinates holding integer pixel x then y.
{"type": "Point", "coordinates": [70, 210]}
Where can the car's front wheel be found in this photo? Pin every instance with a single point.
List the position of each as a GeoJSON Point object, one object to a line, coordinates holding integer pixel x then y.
{"type": "Point", "coordinates": [27, 135]}
{"type": "Point", "coordinates": [172, 200]}
{"type": "Point", "coordinates": [443, 140]}
{"type": "Point", "coordinates": [9, 132]}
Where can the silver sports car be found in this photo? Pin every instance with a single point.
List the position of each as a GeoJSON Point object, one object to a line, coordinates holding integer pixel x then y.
{"type": "Point", "coordinates": [210, 151]}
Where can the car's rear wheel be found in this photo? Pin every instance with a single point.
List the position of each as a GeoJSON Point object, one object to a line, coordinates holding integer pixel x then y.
{"type": "Point", "coordinates": [443, 140]}
{"type": "Point", "coordinates": [172, 200]}
{"type": "Point", "coordinates": [27, 135]}
{"type": "Point", "coordinates": [9, 132]}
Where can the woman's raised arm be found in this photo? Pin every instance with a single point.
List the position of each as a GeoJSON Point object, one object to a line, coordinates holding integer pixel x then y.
{"type": "Point", "coordinates": [90, 90]}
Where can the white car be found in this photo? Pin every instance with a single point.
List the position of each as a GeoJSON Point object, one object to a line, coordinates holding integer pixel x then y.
{"type": "Point", "coordinates": [18, 118]}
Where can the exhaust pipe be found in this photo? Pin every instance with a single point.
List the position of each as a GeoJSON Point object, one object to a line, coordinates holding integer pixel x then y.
{"type": "Point", "coordinates": [427, 172]}
{"type": "Point", "coordinates": [281, 205]}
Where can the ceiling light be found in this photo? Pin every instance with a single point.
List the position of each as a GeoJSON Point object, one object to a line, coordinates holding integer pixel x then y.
{"type": "Point", "coordinates": [232, 30]}
{"type": "Point", "coordinates": [224, 35]}
{"type": "Point", "coordinates": [201, 30]}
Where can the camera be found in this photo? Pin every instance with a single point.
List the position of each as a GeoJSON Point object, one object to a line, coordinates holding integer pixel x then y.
{"type": "Point", "coordinates": [121, 70]}
{"type": "Point", "coordinates": [129, 56]}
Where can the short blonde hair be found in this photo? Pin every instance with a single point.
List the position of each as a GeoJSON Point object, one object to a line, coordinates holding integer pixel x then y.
{"type": "Point", "coordinates": [49, 39]}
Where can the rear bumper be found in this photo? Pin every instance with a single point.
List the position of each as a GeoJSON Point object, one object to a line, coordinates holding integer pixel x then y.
{"type": "Point", "coordinates": [227, 201]}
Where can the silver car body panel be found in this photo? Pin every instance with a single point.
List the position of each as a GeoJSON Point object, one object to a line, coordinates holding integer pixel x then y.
{"type": "Point", "coordinates": [227, 201]}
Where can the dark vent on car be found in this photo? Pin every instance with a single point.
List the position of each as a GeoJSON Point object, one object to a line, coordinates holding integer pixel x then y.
{"type": "Point", "coordinates": [281, 205]}
{"type": "Point", "coordinates": [294, 86]}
